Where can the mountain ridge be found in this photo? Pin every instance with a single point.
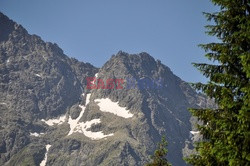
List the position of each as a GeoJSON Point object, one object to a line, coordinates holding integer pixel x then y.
{"type": "Point", "coordinates": [39, 84]}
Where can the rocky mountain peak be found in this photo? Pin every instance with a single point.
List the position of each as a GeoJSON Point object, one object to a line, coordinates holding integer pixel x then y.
{"type": "Point", "coordinates": [10, 28]}
{"type": "Point", "coordinates": [134, 65]}
{"type": "Point", "coordinates": [49, 116]}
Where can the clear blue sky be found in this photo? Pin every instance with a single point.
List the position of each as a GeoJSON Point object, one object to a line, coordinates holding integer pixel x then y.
{"type": "Point", "coordinates": [93, 30]}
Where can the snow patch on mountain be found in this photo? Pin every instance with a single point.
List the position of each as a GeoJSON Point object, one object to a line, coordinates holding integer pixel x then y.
{"type": "Point", "coordinates": [35, 134]}
{"type": "Point", "coordinates": [87, 99]}
{"type": "Point", "coordinates": [96, 75]}
{"type": "Point", "coordinates": [107, 105]}
{"type": "Point", "coordinates": [57, 121]}
{"type": "Point", "coordinates": [84, 126]}
{"type": "Point", "coordinates": [194, 132]}
{"type": "Point", "coordinates": [195, 135]}
{"type": "Point", "coordinates": [43, 163]}
{"type": "Point", "coordinates": [38, 75]}
{"type": "Point", "coordinates": [73, 123]}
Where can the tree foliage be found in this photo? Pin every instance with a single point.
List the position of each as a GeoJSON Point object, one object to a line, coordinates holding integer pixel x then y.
{"type": "Point", "coordinates": [159, 157]}
{"type": "Point", "coordinates": [226, 134]}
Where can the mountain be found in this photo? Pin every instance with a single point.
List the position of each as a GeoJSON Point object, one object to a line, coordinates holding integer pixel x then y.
{"type": "Point", "coordinates": [52, 111]}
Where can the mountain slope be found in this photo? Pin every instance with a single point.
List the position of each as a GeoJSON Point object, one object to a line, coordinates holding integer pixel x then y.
{"type": "Point", "coordinates": [37, 81]}
{"type": "Point", "coordinates": [157, 110]}
{"type": "Point", "coordinates": [48, 115]}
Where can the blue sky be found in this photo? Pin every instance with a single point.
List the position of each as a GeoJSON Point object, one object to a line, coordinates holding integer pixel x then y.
{"type": "Point", "coordinates": [93, 30]}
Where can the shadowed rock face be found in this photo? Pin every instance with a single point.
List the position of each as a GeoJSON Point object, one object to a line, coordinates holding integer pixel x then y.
{"type": "Point", "coordinates": [37, 81]}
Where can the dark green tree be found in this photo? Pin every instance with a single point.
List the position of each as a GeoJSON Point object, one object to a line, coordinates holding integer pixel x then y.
{"type": "Point", "coordinates": [226, 131]}
{"type": "Point", "coordinates": [160, 154]}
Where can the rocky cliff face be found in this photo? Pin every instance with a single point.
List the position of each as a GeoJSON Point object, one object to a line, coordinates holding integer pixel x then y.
{"type": "Point", "coordinates": [49, 116]}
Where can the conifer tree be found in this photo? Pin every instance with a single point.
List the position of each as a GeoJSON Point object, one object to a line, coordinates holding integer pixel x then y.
{"type": "Point", "coordinates": [159, 157]}
{"type": "Point", "coordinates": [226, 129]}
